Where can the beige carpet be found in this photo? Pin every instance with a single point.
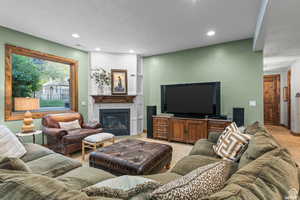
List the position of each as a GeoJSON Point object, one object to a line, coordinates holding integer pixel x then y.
{"type": "Point", "coordinates": [179, 149]}
{"type": "Point", "coordinates": [283, 135]}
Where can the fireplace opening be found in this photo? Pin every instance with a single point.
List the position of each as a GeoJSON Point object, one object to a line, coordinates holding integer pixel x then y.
{"type": "Point", "coordinates": [115, 121]}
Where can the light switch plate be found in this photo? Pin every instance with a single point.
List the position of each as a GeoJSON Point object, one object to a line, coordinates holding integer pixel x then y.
{"type": "Point", "coordinates": [83, 103]}
{"type": "Point", "coordinates": [252, 103]}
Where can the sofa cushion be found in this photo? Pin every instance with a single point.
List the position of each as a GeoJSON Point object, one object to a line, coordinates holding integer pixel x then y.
{"type": "Point", "coordinates": [271, 176]}
{"type": "Point", "coordinates": [18, 164]}
{"type": "Point", "coordinates": [10, 146]}
{"type": "Point", "coordinates": [199, 183]}
{"type": "Point", "coordinates": [123, 187]}
{"type": "Point", "coordinates": [163, 178]}
{"type": "Point", "coordinates": [19, 185]}
{"type": "Point", "coordinates": [35, 151]}
{"type": "Point", "coordinates": [53, 165]}
{"type": "Point", "coordinates": [260, 143]}
{"type": "Point", "coordinates": [82, 177]}
{"type": "Point", "coordinates": [214, 136]}
{"type": "Point", "coordinates": [203, 147]}
{"type": "Point", "coordinates": [231, 142]}
{"type": "Point", "coordinates": [190, 163]}
{"type": "Point", "coordinates": [253, 128]}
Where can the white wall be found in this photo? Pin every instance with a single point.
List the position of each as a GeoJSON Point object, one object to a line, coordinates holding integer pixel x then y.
{"type": "Point", "coordinates": [110, 61]}
{"type": "Point", "coordinates": [133, 64]}
{"type": "Point", "coordinates": [295, 101]}
{"type": "Point", "coordinates": [283, 104]}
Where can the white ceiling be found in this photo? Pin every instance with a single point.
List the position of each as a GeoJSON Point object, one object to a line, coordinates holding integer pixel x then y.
{"type": "Point", "coordinates": [282, 35]}
{"type": "Point", "coordinates": [147, 26]}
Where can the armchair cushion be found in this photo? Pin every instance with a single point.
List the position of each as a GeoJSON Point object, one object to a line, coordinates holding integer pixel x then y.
{"type": "Point", "coordinates": [69, 125]}
{"type": "Point", "coordinates": [77, 135]}
{"type": "Point", "coordinates": [91, 125]}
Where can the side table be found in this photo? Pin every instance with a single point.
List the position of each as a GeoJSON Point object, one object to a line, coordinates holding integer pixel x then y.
{"type": "Point", "coordinates": [33, 134]}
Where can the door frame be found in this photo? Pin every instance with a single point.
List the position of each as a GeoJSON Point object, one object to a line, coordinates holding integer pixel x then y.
{"type": "Point", "coordinates": [289, 98]}
{"type": "Point", "coordinates": [276, 78]}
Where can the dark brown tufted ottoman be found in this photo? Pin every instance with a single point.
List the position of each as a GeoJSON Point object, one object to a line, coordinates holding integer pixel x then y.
{"type": "Point", "coordinates": [132, 157]}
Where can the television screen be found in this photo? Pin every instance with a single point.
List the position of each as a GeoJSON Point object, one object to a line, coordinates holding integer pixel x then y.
{"type": "Point", "coordinates": [198, 98]}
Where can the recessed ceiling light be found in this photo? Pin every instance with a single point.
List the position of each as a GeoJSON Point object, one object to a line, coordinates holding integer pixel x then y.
{"type": "Point", "coordinates": [97, 49]}
{"type": "Point", "coordinates": [131, 51]}
{"type": "Point", "coordinates": [211, 33]}
{"type": "Point", "coordinates": [75, 35]}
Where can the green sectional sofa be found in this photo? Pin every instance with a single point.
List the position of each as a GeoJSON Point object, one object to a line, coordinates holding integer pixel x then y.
{"type": "Point", "coordinates": [265, 171]}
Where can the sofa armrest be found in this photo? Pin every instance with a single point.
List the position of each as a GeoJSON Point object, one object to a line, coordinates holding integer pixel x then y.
{"type": "Point", "coordinates": [91, 125]}
{"type": "Point", "coordinates": [55, 132]}
{"type": "Point", "coordinates": [214, 136]}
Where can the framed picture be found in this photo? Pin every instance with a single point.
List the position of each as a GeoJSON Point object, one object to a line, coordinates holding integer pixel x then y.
{"type": "Point", "coordinates": [118, 82]}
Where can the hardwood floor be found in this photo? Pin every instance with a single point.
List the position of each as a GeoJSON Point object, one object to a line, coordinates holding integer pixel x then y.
{"type": "Point", "coordinates": [287, 140]}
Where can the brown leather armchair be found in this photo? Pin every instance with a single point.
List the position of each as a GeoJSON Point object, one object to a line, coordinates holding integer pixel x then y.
{"type": "Point", "coordinates": [67, 141]}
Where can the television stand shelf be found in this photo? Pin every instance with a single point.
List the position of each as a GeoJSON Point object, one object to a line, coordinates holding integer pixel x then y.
{"type": "Point", "coordinates": [187, 130]}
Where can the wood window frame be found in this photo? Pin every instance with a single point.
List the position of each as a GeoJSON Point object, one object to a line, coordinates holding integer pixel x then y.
{"type": "Point", "coordinates": [9, 50]}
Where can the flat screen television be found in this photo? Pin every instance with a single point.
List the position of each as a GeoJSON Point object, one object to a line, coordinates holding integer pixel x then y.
{"type": "Point", "coordinates": [194, 99]}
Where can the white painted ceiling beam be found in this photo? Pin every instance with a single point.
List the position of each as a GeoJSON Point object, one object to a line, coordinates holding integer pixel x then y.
{"type": "Point", "coordinates": [259, 36]}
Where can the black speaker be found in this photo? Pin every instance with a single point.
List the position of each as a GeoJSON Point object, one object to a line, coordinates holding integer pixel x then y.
{"type": "Point", "coordinates": [238, 116]}
{"type": "Point", "coordinates": [151, 110]}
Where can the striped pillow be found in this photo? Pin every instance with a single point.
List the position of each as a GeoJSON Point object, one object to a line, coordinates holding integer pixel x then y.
{"type": "Point", "coordinates": [231, 142]}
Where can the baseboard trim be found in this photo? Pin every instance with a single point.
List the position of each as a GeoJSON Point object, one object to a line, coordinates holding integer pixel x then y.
{"type": "Point", "coordinates": [285, 126]}
{"type": "Point", "coordinates": [295, 134]}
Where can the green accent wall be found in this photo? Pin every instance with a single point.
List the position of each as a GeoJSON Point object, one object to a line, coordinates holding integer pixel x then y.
{"type": "Point", "coordinates": [8, 36]}
{"type": "Point", "coordinates": [234, 64]}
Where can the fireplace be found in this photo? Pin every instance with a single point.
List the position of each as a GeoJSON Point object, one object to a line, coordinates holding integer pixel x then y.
{"type": "Point", "coordinates": [115, 121]}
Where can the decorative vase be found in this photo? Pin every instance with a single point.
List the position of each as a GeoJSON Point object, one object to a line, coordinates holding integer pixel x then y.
{"type": "Point", "coordinates": [100, 90]}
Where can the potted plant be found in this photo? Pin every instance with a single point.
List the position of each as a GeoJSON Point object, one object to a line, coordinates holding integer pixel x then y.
{"type": "Point", "coordinates": [102, 78]}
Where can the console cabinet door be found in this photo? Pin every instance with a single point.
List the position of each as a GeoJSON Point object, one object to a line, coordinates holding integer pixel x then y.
{"type": "Point", "coordinates": [178, 130]}
{"type": "Point", "coordinates": [161, 127]}
{"type": "Point", "coordinates": [196, 129]}
{"type": "Point", "coordinates": [217, 125]}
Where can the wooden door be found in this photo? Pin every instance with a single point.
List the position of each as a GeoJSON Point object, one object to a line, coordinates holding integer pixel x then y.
{"type": "Point", "coordinates": [196, 129]}
{"type": "Point", "coordinates": [289, 99]}
{"type": "Point", "coordinates": [178, 130]}
{"type": "Point", "coordinates": [272, 99]}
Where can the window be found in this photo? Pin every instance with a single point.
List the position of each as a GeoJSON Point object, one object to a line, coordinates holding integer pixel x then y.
{"type": "Point", "coordinates": [50, 79]}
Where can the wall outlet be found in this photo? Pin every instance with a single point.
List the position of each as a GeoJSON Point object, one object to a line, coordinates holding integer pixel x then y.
{"type": "Point", "coordinates": [252, 103]}
{"type": "Point", "coordinates": [83, 103]}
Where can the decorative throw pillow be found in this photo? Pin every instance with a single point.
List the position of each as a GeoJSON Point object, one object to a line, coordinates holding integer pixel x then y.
{"type": "Point", "coordinates": [70, 125]}
{"type": "Point", "coordinates": [18, 164]}
{"type": "Point", "coordinates": [123, 187]}
{"type": "Point", "coordinates": [231, 143]}
{"type": "Point", "coordinates": [10, 146]}
{"type": "Point", "coordinates": [199, 183]}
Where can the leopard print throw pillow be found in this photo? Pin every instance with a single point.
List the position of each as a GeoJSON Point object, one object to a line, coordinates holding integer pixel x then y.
{"type": "Point", "coordinates": [199, 183]}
